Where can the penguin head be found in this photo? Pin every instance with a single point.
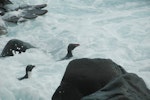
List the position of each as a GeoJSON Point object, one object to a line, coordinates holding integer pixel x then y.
{"type": "Point", "coordinates": [29, 68]}
{"type": "Point", "coordinates": [72, 46]}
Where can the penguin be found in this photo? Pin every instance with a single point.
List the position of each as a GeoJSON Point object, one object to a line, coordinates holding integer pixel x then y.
{"type": "Point", "coordinates": [69, 51]}
{"type": "Point", "coordinates": [28, 72]}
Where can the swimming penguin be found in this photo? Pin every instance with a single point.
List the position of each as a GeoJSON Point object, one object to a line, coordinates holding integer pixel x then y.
{"type": "Point", "coordinates": [28, 72]}
{"type": "Point", "coordinates": [69, 51]}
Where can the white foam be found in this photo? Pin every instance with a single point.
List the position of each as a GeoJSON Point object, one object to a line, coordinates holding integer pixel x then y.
{"type": "Point", "coordinates": [113, 29]}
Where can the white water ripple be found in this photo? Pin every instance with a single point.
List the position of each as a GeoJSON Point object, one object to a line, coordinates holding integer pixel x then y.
{"type": "Point", "coordinates": [119, 30]}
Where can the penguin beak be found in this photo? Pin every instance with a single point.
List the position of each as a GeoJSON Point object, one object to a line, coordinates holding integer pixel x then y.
{"type": "Point", "coordinates": [77, 45]}
{"type": "Point", "coordinates": [33, 66]}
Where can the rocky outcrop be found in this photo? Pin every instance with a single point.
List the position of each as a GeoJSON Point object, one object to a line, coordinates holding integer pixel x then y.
{"type": "Point", "coordinates": [100, 79]}
{"type": "Point", "coordinates": [24, 12]}
{"type": "Point", "coordinates": [14, 46]}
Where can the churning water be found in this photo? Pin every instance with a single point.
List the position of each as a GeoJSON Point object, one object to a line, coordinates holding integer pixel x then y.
{"type": "Point", "coordinates": [115, 29]}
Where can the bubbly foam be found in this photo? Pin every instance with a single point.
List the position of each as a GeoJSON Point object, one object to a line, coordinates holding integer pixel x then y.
{"type": "Point", "coordinates": [119, 30]}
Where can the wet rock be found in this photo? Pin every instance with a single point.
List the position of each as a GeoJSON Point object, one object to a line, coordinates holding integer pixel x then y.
{"type": "Point", "coordinates": [24, 13]}
{"type": "Point", "coordinates": [125, 87]}
{"type": "Point", "coordinates": [14, 46]}
{"type": "Point", "coordinates": [100, 79]}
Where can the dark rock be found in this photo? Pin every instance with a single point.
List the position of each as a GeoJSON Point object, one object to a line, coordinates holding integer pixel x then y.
{"type": "Point", "coordinates": [13, 19]}
{"type": "Point", "coordinates": [86, 76]}
{"type": "Point", "coordinates": [15, 45]}
{"type": "Point", "coordinates": [126, 87]}
{"type": "Point", "coordinates": [36, 11]}
{"type": "Point", "coordinates": [2, 11]}
{"type": "Point", "coordinates": [27, 12]}
{"type": "Point", "coordinates": [4, 2]}
{"type": "Point", "coordinates": [99, 79]}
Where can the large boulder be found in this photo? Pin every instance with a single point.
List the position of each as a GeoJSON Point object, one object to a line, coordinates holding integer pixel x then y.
{"type": "Point", "coordinates": [85, 76]}
{"type": "Point", "coordinates": [99, 79]}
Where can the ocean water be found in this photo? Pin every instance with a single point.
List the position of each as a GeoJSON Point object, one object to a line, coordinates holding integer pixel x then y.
{"type": "Point", "coordinates": [115, 29]}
